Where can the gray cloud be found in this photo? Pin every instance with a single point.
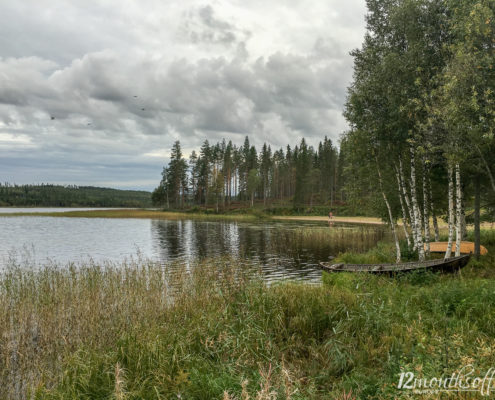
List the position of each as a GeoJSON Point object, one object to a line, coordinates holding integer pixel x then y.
{"type": "Point", "coordinates": [202, 25]}
{"type": "Point", "coordinates": [86, 110]}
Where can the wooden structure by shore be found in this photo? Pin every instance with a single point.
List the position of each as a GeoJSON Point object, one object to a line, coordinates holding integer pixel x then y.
{"type": "Point", "coordinates": [466, 248]}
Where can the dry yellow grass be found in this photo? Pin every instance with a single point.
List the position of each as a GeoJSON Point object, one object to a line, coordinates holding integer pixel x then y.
{"type": "Point", "coordinates": [350, 220]}
{"type": "Point", "coordinates": [369, 220]}
{"type": "Point", "coordinates": [131, 213]}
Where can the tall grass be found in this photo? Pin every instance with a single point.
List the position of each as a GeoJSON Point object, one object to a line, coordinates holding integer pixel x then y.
{"type": "Point", "coordinates": [333, 239]}
{"type": "Point", "coordinates": [139, 213]}
{"type": "Point", "coordinates": [384, 251]}
{"type": "Point", "coordinates": [141, 331]}
{"type": "Point", "coordinates": [487, 237]}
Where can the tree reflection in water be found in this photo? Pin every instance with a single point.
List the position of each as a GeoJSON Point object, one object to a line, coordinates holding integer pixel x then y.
{"type": "Point", "coordinates": [282, 249]}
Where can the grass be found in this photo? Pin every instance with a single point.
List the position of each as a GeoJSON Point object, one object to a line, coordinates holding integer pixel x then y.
{"type": "Point", "coordinates": [339, 219]}
{"type": "Point", "coordinates": [321, 240]}
{"type": "Point", "coordinates": [141, 331]}
{"type": "Point", "coordinates": [487, 237]}
{"type": "Point", "coordinates": [246, 214]}
{"type": "Point", "coordinates": [140, 213]}
{"type": "Point", "coordinates": [384, 251]}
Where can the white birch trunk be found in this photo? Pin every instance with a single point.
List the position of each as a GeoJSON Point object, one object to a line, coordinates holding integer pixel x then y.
{"type": "Point", "coordinates": [390, 216]}
{"type": "Point", "coordinates": [477, 207]}
{"type": "Point", "coordinates": [433, 214]}
{"type": "Point", "coordinates": [417, 217]}
{"type": "Point", "coordinates": [436, 231]}
{"type": "Point", "coordinates": [426, 207]}
{"type": "Point", "coordinates": [458, 228]}
{"type": "Point", "coordinates": [463, 219]}
{"type": "Point", "coordinates": [450, 172]}
{"type": "Point", "coordinates": [404, 215]}
{"type": "Point", "coordinates": [408, 204]}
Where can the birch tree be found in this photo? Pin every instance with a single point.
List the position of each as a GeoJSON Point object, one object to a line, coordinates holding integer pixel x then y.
{"type": "Point", "coordinates": [468, 96]}
{"type": "Point", "coordinates": [450, 173]}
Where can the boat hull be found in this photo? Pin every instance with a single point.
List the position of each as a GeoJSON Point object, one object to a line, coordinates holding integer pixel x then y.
{"type": "Point", "coordinates": [450, 265]}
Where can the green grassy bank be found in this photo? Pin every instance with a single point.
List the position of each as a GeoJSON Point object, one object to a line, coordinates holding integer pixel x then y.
{"type": "Point", "coordinates": [141, 331]}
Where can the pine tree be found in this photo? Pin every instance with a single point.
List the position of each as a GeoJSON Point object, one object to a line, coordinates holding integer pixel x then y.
{"type": "Point", "coordinates": [177, 176]}
{"type": "Point", "coordinates": [303, 173]}
{"type": "Point", "coordinates": [265, 171]}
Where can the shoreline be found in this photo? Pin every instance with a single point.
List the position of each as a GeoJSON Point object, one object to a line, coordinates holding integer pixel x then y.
{"type": "Point", "coordinates": [157, 214]}
{"type": "Point", "coordinates": [347, 220]}
{"type": "Point", "coordinates": [124, 213]}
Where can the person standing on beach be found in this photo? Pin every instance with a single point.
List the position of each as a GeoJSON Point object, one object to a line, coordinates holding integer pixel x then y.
{"type": "Point", "coordinates": [330, 217]}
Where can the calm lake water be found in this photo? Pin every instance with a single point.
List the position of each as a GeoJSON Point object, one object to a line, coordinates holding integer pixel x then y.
{"type": "Point", "coordinates": [277, 247]}
{"type": "Point", "coordinates": [12, 210]}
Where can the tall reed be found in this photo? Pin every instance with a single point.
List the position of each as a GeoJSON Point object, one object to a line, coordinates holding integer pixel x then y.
{"type": "Point", "coordinates": [138, 213]}
{"type": "Point", "coordinates": [331, 239]}
{"type": "Point", "coordinates": [141, 330]}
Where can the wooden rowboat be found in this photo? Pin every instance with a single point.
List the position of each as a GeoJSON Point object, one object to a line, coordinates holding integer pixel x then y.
{"type": "Point", "coordinates": [466, 248]}
{"type": "Point", "coordinates": [452, 264]}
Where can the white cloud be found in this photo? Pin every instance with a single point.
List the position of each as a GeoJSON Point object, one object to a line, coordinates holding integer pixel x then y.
{"type": "Point", "coordinates": [89, 83]}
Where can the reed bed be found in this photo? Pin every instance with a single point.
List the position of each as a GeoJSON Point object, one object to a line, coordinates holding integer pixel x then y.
{"type": "Point", "coordinates": [331, 239]}
{"type": "Point", "coordinates": [139, 330]}
{"type": "Point", "coordinates": [138, 213]}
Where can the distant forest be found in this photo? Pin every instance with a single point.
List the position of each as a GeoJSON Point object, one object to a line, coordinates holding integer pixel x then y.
{"type": "Point", "coordinates": [223, 175]}
{"type": "Point", "coordinates": [46, 195]}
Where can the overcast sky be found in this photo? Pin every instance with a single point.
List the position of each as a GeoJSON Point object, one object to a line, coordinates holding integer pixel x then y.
{"type": "Point", "coordinates": [95, 92]}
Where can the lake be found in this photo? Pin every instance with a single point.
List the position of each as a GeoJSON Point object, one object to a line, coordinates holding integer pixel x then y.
{"type": "Point", "coordinates": [13, 210]}
{"type": "Point", "coordinates": [283, 249]}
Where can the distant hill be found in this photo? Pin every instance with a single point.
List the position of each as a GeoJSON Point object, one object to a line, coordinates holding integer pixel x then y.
{"type": "Point", "coordinates": [46, 195]}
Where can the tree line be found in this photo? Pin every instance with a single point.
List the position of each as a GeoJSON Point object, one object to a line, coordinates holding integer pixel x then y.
{"type": "Point", "coordinates": [421, 141]}
{"type": "Point", "coordinates": [422, 116]}
{"type": "Point", "coordinates": [47, 195]}
{"type": "Point", "coordinates": [221, 174]}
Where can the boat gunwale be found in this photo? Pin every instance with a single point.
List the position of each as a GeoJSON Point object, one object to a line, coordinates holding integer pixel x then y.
{"type": "Point", "coordinates": [391, 267]}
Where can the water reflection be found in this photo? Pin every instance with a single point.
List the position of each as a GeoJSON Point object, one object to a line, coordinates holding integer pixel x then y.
{"type": "Point", "coordinates": [282, 249]}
